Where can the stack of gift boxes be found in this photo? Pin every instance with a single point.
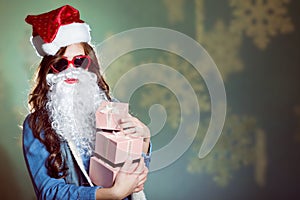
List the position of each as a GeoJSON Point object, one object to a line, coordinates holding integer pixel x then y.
{"type": "Point", "coordinates": [112, 146]}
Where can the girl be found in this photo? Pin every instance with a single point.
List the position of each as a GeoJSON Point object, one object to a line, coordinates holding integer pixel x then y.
{"type": "Point", "coordinates": [59, 133]}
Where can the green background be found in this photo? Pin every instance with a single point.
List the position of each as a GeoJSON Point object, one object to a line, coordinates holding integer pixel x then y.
{"type": "Point", "coordinates": [255, 45]}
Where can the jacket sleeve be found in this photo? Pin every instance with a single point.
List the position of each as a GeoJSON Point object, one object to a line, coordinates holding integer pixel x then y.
{"type": "Point", "coordinates": [147, 156]}
{"type": "Point", "coordinates": [46, 187]}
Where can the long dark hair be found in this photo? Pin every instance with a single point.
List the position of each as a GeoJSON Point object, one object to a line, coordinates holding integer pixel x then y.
{"type": "Point", "coordinates": [39, 119]}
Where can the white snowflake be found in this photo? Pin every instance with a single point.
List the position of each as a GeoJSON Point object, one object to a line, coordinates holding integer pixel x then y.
{"type": "Point", "coordinates": [261, 19]}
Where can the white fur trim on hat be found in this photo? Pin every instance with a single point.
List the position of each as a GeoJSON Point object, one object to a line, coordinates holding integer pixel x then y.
{"type": "Point", "coordinates": [66, 35]}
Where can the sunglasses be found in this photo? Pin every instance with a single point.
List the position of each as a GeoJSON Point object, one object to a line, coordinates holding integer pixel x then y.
{"type": "Point", "coordinates": [82, 61]}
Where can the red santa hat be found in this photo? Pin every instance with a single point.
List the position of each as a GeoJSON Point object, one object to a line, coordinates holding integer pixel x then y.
{"type": "Point", "coordinates": [57, 28]}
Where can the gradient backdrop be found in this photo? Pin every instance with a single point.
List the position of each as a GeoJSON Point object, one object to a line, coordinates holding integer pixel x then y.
{"type": "Point", "coordinates": [255, 44]}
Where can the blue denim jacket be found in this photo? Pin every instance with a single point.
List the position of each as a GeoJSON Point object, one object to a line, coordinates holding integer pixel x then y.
{"type": "Point", "coordinates": [74, 186]}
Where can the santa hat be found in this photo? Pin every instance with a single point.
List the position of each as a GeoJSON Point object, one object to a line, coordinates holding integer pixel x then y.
{"type": "Point", "coordinates": [57, 28]}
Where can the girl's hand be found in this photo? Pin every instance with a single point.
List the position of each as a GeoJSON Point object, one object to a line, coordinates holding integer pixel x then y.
{"type": "Point", "coordinates": [134, 127]}
{"type": "Point", "coordinates": [130, 179]}
{"type": "Point", "coordinates": [142, 179]}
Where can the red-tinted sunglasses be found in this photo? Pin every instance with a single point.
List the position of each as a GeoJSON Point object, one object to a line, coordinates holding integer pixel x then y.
{"type": "Point", "coordinates": [63, 63]}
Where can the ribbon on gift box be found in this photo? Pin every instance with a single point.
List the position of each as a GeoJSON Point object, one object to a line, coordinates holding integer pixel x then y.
{"type": "Point", "coordinates": [109, 110]}
{"type": "Point", "coordinates": [128, 137]}
{"type": "Point", "coordinates": [108, 162]}
{"type": "Point", "coordinates": [112, 136]}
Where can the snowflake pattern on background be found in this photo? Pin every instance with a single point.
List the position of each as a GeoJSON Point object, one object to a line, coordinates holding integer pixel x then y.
{"type": "Point", "coordinates": [199, 20]}
{"type": "Point", "coordinates": [194, 78]}
{"type": "Point", "coordinates": [117, 69]}
{"type": "Point", "coordinates": [120, 66]}
{"type": "Point", "coordinates": [261, 19]}
{"type": "Point", "coordinates": [241, 144]}
{"type": "Point", "coordinates": [164, 95]}
{"type": "Point", "coordinates": [261, 160]}
{"type": "Point", "coordinates": [175, 11]}
{"type": "Point", "coordinates": [223, 45]}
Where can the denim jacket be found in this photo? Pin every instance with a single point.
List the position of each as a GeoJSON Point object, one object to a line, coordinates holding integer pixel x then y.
{"type": "Point", "coordinates": [76, 185]}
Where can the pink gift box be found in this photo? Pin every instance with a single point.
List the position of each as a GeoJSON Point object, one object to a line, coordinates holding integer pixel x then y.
{"type": "Point", "coordinates": [108, 115]}
{"type": "Point", "coordinates": [101, 173]}
{"type": "Point", "coordinates": [116, 147]}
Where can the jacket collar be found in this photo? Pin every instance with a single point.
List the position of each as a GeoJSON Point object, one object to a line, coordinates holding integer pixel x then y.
{"type": "Point", "coordinates": [78, 159]}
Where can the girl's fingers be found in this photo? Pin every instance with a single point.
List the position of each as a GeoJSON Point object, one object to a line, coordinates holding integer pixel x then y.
{"type": "Point", "coordinates": [142, 180]}
{"type": "Point", "coordinates": [139, 188]}
{"type": "Point", "coordinates": [140, 167]}
{"type": "Point", "coordinates": [129, 131]}
{"type": "Point", "coordinates": [140, 185]}
{"type": "Point", "coordinates": [135, 132]}
{"type": "Point", "coordinates": [127, 124]}
{"type": "Point", "coordinates": [143, 176]}
{"type": "Point", "coordinates": [131, 122]}
{"type": "Point", "coordinates": [127, 167]}
{"type": "Point", "coordinates": [127, 119]}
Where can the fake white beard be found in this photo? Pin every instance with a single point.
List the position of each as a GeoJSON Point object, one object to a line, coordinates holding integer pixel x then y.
{"type": "Point", "coordinates": [72, 107]}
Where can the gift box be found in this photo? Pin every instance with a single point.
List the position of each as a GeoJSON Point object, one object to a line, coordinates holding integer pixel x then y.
{"type": "Point", "coordinates": [101, 173]}
{"type": "Point", "coordinates": [108, 115]}
{"type": "Point", "coordinates": [115, 147]}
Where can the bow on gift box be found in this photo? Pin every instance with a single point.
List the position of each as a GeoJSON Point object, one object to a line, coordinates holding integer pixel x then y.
{"type": "Point", "coordinates": [109, 110]}
{"type": "Point", "coordinates": [113, 112]}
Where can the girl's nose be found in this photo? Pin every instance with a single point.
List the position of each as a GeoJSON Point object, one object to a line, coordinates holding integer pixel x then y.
{"type": "Point", "coordinates": [71, 65]}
